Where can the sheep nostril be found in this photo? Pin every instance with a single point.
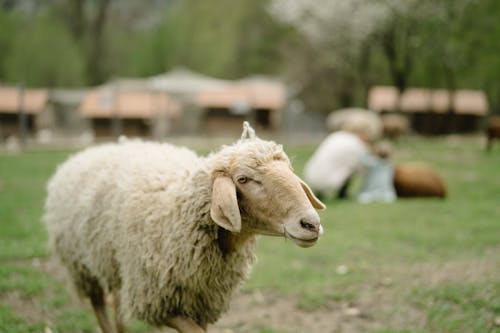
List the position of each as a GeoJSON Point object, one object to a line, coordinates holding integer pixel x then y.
{"type": "Point", "coordinates": [308, 226]}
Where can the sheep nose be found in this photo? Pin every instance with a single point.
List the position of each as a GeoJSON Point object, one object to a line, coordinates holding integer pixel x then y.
{"type": "Point", "coordinates": [311, 222]}
{"type": "Point", "coordinates": [309, 226]}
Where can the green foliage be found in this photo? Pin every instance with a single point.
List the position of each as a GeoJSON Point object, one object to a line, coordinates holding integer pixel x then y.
{"type": "Point", "coordinates": [8, 27]}
{"type": "Point", "coordinates": [445, 44]}
{"type": "Point", "coordinates": [202, 36]}
{"type": "Point", "coordinates": [147, 57]}
{"type": "Point", "coordinates": [43, 54]}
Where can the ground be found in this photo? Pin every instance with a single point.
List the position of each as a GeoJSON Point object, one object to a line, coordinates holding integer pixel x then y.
{"type": "Point", "coordinates": [418, 265]}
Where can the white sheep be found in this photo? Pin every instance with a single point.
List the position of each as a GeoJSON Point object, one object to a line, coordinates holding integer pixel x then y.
{"type": "Point", "coordinates": [366, 124]}
{"type": "Point", "coordinates": [170, 234]}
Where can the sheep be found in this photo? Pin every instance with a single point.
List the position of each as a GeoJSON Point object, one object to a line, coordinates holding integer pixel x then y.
{"type": "Point", "coordinates": [418, 180]}
{"type": "Point", "coordinates": [170, 235]}
{"type": "Point", "coordinates": [395, 125]}
{"type": "Point", "coordinates": [334, 162]}
{"type": "Point", "coordinates": [492, 131]}
{"type": "Point", "coordinates": [365, 123]}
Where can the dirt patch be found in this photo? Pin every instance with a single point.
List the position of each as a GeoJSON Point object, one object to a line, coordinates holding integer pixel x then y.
{"type": "Point", "coordinates": [252, 312]}
{"type": "Point", "coordinates": [25, 308]}
{"type": "Point", "coordinates": [381, 302]}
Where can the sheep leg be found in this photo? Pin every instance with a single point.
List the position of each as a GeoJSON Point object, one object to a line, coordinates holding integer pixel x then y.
{"type": "Point", "coordinates": [185, 325]}
{"type": "Point", "coordinates": [120, 327]}
{"type": "Point", "coordinates": [99, 307]}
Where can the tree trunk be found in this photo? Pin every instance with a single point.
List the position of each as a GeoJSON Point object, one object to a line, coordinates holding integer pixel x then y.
{"type": "Point", "coordinates": [95, 68]}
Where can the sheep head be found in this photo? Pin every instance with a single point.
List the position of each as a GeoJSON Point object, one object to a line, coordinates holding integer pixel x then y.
{"type": "Point", "coordinates": [256, 191]}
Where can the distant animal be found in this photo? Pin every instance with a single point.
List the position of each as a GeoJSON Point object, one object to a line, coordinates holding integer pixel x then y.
{"type": "Point", "coordinates": [364, 123]}
{"type": "Point", "coordinates": [492, 131]}
{"type": "Point", "coordinates": [418, 180]}
{"type": "Point", "coordinates": [395, 125]}
{"type": "Point", "coordinates": [334, 162]}
{"type": "Point", "coordinates": [169, 234]}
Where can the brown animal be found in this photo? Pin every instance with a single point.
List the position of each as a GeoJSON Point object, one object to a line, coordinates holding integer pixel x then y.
{"type": "Point", "coordinates": [418, 180]}
{"type": "Point", "coordinates": [492, 131]}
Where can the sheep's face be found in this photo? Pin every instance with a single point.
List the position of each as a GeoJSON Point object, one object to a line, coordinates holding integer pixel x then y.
{"type": "Point", "coordinates": [264, 196]}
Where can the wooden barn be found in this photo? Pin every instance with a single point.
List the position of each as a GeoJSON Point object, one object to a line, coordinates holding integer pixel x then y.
{"type": "Point", "coordinates": [217, 105]}
{"type": "Point", "coordinates": [259, 100]}
{"type": "Point", "coordinates": [112, 112]}
{"type": "Point", "coordinates": [433, 111]}
{"type": "Point", "coordinates": [21, 106]}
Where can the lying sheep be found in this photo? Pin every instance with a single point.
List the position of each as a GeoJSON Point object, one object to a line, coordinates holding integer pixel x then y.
{"type": "Point", "coordinates": [364, 123]}
{"type": "Point", "coordinates": [170, 234]}
{"type": "Point", "coordinates": [418, 180]}
{"type": "Point", "coordinates": [492, 131]}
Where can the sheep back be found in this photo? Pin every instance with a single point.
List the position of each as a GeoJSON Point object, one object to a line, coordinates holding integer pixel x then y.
{"type": "Point", "coordinates": [418, 180]}
{"type": "Point", "coordinates": [134, 217]}
{"type": "Point", "coordinates": [356, 120]}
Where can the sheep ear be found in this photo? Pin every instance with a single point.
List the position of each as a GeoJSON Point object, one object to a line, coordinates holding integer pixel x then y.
{"type": "Point", "coordinates": [316, 203]}
{"type": "Point", "coordinates": [224, 208]}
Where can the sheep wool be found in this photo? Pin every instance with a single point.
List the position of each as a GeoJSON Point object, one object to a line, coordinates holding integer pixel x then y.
{"type": "Point", "coordinates": [138, 221]}
{"type": "Point", "coordinates": [365, 123]}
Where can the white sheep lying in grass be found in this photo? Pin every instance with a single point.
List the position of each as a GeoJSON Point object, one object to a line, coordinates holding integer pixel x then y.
{"type": "Point", "coordinates": [170, 234]}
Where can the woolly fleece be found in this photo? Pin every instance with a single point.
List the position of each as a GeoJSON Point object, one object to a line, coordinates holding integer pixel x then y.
{"type": "Point", "coordinates": [134, 217]}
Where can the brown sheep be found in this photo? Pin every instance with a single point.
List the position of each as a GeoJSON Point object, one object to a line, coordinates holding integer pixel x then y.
{"type": "Point", "coordinates": [492, 131]}
{"type": "Point", "coordinates": [418, 180]}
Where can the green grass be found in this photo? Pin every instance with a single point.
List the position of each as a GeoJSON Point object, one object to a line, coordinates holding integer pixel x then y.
{"type": "Point", "coordinates": [412, 266]}
{"type": "Point", "coordinates": [22, 189]}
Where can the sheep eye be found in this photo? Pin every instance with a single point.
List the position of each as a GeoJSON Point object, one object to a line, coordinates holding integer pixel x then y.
{"type": "Point", "coordinates": [242, 179]}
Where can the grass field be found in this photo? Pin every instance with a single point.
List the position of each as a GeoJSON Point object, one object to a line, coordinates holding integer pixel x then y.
{"type": "Point", "coordinates": [412, 266]}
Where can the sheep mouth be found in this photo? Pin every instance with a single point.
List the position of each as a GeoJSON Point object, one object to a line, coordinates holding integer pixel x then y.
{"type": "Point", "coordinates": [302, 242]}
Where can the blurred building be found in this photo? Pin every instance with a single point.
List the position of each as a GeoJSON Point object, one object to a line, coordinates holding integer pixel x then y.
{"type": "Point", "coordinates": [433, 111]}
{"type": "Point", "coordinates": [22, 110]}
{"type": "Point", "coordinates": [216, 105]}
{"type": "Point", "coordinates": [259, 99]}
{"type": "Point", "coordinates": [184, 83]}
{"type": "Point", "coordinates": [64, 103]}
{"type": "Point", "coordinates": [182, 101]}
{"type": "Point", "coordinates": [118, 108]}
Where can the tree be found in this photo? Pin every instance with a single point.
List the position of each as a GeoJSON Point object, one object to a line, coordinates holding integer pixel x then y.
{"type": "Point", "coordinates": [480, 22]}
{"type": "Point", "coordinates": [9, 23]}
{"type": "Point", "coordinates": [397, 36]}
{"type": "Point", "coordinates": [337, 48]}
{"type": "Point", "coordinates": [202, 36]}
{"type": "Point", "coordinates": [44, 54]}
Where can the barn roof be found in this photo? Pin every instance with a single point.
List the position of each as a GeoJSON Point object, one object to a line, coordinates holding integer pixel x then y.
{"type": "Point", "coordinates": [257, 93]}
{"type": "Point", "coordinates": [184, 81]}
{"type": "Point", "coordinates": [34, 100]}
{"type": "Point", "coordinates": [384, 98]}
{"type": "Point", "coordinates": [106, 103]}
